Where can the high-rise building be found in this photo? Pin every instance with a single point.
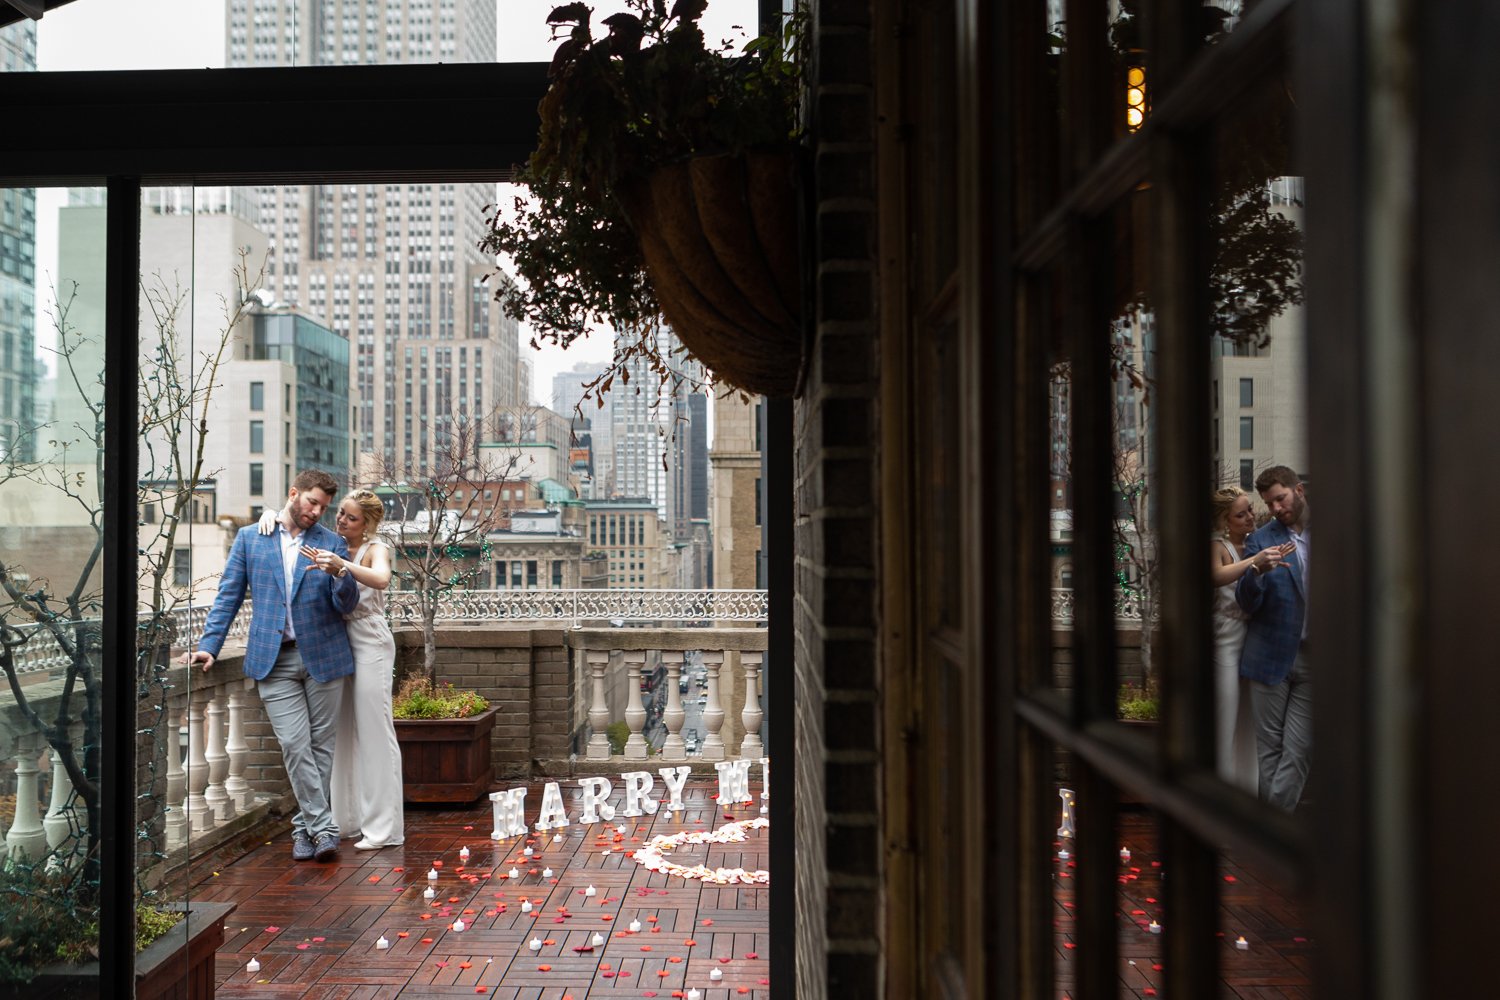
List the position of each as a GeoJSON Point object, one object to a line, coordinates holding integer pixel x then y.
{"type": "Point", "coordinates": [19, 368]}
{"type": "Point", "coordinates": [393, 268]}
{"type": "Point", "coordinates": [736, 520]}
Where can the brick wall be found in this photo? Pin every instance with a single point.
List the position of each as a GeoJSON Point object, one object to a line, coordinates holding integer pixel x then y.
{"type": "Point", "coordinates": [839, 853]}
{"type": "Point", "coordinates": [525, 673]}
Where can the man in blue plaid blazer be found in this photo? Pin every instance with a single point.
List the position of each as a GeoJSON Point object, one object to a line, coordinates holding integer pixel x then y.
{"type": "Point", "coordinates": [1274, 659]}
{"type": "Point", "coordinates": [298, 649]}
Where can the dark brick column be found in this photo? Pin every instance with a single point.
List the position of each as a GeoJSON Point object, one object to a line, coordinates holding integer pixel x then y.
{"type": "Point", "coordinates": [839, 856]}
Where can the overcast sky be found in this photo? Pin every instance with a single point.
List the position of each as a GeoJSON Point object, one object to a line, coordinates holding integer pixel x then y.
{"type": "Point", "coordinates": [189, 34]}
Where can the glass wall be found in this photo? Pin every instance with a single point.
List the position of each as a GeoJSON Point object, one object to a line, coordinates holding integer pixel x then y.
{"type": "Point", "coordinates": [53, 565]}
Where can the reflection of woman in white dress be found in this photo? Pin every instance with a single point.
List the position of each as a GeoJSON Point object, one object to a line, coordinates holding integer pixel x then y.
{"type": "Point", "coordinates": [366, 782]}
{"type": "Point", "coordinates": [1233, 521]}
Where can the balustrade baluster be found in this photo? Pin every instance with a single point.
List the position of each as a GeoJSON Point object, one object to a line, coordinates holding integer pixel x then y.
{"type": "Point", "coordinates": [713, 712]}
{"type": "Point", "coordinates": [673, 748]}
{"type": "Point", "coordinates": [235, 785]}
{"type": "Point", "coordinates": [598, 662]}
{"type": "Point", "coordinates": [200, 816]}
{"type": "Point", "coordinates": [26, 837]}
{"type": "Point", "coordinates": [177, 818]}
{"type": "Point", "coordinates": [635, 711]}
{"type": "Point", "coordinates": [57, 823]}
{"type": "Point", "coordinates": [752, 715]}
{"type": "Point", "coordinates": [218, 760]}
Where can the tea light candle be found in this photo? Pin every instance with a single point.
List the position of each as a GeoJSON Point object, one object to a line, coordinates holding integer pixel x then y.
{"type": "Point", "coordinates": [525, 906]}
{"type": "Point", "coordinates": [536, 944]}
{"type": "Point", "coordinates": [1154, 927]}
{"type": "Point", "coordinates": [381, 944]}
{"type": "Point", "coordinates": [528, 852]}
{"type": "Point", "coordinates": [458, 925]}
{"type": "Point", "coordinates": [591, 891]}
{"type": "Point", "coordinates": [1063, 854]}
{"type": "Point", "coordinates": [429, 892]}
{"type": "Point", "coordinates": [253, 965]}
{"type": "Point", "coordinates": [432, 874]}
{"type": "Point", "coordinates": [546, 873]}
{"type": "Point", "coordinates": [1124, 854]}
{"type": "Point", "coordinates": [635, 927]}
{"type": "Point", "coordinates": [557, 838]}
{"type": "Point", "coordinates": [765, 810]}
{"type": "Point", "coordinates": [463, 854]}
{"type": "Point", "coordinates": [715, 975]}
{"type": "Point", "coordinates": [693, 995]}
{"type": "Point", "coordinates": [597, 939]}
{"type": "Point", "coordinates": [513, 873]}
{"type": "Point", "coordinates": [1242, 944]}
{"type": "Point", "coordinates": [620, 828]}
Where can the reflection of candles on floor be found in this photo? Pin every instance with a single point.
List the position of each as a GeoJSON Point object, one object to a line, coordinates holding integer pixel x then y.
{"type": "Point", "coordinates": [1242, 944]}
{"type": "Point", "coordinates": [1066, 829]}
{"type": "Point", "coordinates": [1154, 927]}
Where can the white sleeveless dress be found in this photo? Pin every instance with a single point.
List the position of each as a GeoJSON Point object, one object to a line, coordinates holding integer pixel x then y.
{"type": "Point", "coordinates": [1235, 734]}
{"type": "Point", "coordinates": [366, 783]}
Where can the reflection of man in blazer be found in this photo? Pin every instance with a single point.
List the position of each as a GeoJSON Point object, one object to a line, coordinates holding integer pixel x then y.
{"type": "Point", "coordinates": [1275, 654]}
{"type": "Point", "coordinates": [298, 648]}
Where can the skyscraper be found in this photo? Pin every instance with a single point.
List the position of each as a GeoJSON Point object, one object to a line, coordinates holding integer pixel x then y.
{"type": "Point", "coordinates": [19, 368]}
{"type": "Point", "coordinates": [393, 267]}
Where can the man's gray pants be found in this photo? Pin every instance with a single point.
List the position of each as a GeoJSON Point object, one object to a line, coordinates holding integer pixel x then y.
{"type": "Point", "coordinates": [304, 716]}
{"type": "Point", "coordinates": [1283, 734]}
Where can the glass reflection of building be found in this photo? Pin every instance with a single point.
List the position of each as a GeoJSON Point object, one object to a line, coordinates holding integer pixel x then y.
{"type": "Point", "coordinates": [320, 359]}
{"type": "Point", "coordinates": [19, 368]}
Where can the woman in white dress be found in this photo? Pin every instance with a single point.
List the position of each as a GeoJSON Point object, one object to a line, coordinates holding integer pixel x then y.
{"type": "Point", "coordinates": [366, 781]}
{"type": "Point", "coordinates": [1233, 522]}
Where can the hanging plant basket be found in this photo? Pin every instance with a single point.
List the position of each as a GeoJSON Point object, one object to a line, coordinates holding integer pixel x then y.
{"type": "Point", "coordinates": [719, 238]}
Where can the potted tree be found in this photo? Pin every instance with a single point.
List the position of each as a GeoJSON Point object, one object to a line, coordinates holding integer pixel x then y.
{"type": "Point", "coordinates": [437, 520]}
{"type": "Point", "coordinates": [663, 188]}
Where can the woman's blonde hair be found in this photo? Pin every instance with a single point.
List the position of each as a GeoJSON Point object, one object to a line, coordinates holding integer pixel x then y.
{"type": "Point", "coordinates": [1223, 502]}
{"type": "Point", "coordinates": [371, 507]}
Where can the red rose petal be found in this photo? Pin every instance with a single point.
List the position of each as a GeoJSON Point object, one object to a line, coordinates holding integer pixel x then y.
{"type": "Point", "coordinates": [752, 956]}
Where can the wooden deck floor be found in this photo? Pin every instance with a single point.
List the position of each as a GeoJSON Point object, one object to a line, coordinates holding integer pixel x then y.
{"type": "Point", "coordinates": [313, 927]}
{"type": "Point", "coordinates": [1277, 959]}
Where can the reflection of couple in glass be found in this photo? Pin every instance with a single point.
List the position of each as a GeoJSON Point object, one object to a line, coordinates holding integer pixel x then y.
{"type": "Point", "coordinates": [1262, 679]}
{"type": "Point", "coordinates": [318, 621]}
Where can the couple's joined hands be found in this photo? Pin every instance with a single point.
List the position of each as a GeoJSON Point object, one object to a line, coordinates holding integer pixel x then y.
{"type": "Point", "coordinates": [1272, 556]}
{"type": "Point", "coordinates": [323, 559]}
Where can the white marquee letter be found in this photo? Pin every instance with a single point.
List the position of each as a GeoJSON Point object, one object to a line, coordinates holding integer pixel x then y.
{"type": "Point", "coordinates": [553, 813]}
{"type": "Point", "coordinates": [638, 800]}
{"type": "Point", "coordinates": [675, 777]}
{"type": "Point", "coordinates": [734, 781]}
{"type": "Point", "coordinates": [510, 814]}
{"type": "Point", "coordinates": [595, 800]}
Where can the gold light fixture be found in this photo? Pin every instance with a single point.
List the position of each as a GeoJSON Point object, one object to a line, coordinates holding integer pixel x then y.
{"type": "Point", "coordinates": [1135, 98]}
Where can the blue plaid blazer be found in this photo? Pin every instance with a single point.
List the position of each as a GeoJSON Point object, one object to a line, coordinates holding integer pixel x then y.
{"type": "Point", "coordinates": [1277, 606]}
{"type": "Point", "coordinates": [319, 603]}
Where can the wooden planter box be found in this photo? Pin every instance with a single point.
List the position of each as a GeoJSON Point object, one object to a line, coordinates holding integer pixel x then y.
{"type": "Point", "coordinates": [446, 760]}
{"type": "Point", "coordinates": [179, 965]}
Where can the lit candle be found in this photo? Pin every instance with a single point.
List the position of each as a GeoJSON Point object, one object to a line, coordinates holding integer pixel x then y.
{"type": "Point", "coordinates": [253, 965]}
{"type": "Point", "coordinates": [429, 892]}
{"type": "Point", "coordinates": [527, 853]}
{"type": "Point", "coordinates": [432, 874]}
{"type": "Point", "coordinates": [458, 925]}
{"type": "Point", "coordinates": [463, 854]}
{"type": "Point", "coordinates": [381, 944]}
{"type": "Point", "coordinates": [557, 838]}
{"type": "Point", "coordinates": [591, 891]}
{"type": "Point", "coordinates": [546, 873]}
{"type": "Point", "coordinates": [693, 995]}
{"type": "Point", "coordinates": [525, 906]}
{"type": "Point", "coordinates": [765, 810]}
{"type": "Point", "coordinates": [597, 939]}
{"type": "Point", "coordinates": [1154, 927]}
{"type": "Point", "coordinates": [536, 944]}
{"type": "Point", "coordinates": [635, 927]}
{"type": "Point", "coordinates": [513, 873]}
{"type": "Point", "coordinates": [620, 828]}
{"type": "Point", "coordinates": [1063, 854]}
{"type": "Point", "coordinates": [715, 974]}
{"type": "Point", "coordinates": [605, 852]}
{"type": "Point", "coordinates": [1124, 854]}
{"type": "Point", "coordinates": [1242, 944]}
